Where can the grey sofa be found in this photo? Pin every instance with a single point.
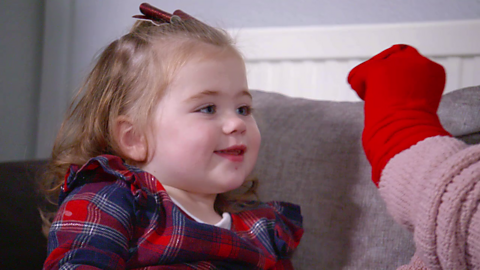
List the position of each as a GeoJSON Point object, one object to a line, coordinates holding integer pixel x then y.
{"type": "Point", "coordinates": [311, 155]}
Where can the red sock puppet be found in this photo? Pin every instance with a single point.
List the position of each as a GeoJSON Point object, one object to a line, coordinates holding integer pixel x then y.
{"type": "Point", "coordinates": [402, 90]}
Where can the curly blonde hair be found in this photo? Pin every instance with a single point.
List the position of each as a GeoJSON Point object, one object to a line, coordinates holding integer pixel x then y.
{"type": "Point", "coordinates": [129, 78]}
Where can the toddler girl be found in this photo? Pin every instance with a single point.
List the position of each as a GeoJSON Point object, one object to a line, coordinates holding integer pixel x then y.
{"type": "Point", "coordinates": [160, 135]}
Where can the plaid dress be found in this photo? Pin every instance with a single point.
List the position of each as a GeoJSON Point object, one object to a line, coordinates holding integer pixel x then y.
{"type": "Point", "coordinates": [115, 216]}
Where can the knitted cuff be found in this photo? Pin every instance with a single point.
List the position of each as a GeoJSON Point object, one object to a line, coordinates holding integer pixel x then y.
{"type": "Point", "coordinates": [433, 189]}
{"type": "Point", "coordinates": [415, 264]}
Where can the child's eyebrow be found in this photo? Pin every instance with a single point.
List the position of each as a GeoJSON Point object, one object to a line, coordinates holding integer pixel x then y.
{"type": "Point", "coordinates": [245, 93]}
{"type": "Point", "coordinates": [216, 93]}
{"type": "Point", "coordinates": [202, 94]}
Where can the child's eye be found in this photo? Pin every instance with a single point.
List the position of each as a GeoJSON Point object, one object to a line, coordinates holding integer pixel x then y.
{"type": "Point", "coordinates": [210, 109]}
{"type": "Point", "coordinates": [244, 110]}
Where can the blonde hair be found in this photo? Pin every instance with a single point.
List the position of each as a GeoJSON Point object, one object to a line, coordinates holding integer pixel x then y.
{"type": "Point", "coordinates": [129, 78]}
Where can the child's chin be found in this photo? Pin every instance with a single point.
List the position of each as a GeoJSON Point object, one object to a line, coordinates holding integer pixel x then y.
{"type": "Point", "coordinates": [232, 185]}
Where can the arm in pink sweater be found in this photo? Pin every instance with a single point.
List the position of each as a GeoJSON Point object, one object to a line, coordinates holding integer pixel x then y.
{"type": "Point", "coordinates": [433, 189]}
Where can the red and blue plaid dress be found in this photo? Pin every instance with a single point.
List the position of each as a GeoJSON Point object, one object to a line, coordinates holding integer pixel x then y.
{"type": "Point", "coordinates": [115, 216]}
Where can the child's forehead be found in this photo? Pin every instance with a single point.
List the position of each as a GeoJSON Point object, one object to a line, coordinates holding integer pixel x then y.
{"type": "Point", "coordinates": [198, 57]}
{"type": "Point", "coordinates": [183, 49]}
{"type": "Point", "coordinates": [218, 74]}
{"type": "Point", "coordinates": [225, 66]}
{"type": "Point", "coordinates": [206, 58]}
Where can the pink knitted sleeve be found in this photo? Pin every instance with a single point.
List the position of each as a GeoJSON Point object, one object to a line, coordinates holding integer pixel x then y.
{"type": "Point", "coordinates": [433, 189]}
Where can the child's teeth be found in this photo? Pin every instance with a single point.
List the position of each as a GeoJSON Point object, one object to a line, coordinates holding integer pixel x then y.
{"type": "Point", "coordinates": [232, 152]}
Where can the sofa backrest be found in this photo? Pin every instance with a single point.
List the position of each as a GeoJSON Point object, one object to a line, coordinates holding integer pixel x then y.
{"type": "Point", "coordinates": [311, 154]}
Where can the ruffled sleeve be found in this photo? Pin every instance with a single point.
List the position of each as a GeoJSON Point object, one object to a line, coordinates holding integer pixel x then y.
{"type": "Point", "coordinates": [277, 226]}
{"type": "Point", "coordinates": [93, 225]}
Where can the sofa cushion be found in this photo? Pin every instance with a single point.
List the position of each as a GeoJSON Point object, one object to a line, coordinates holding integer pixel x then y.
{"type": "Point", "coordinates": [311, 154]}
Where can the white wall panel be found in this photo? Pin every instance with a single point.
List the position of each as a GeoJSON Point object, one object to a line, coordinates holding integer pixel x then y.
{"type": "Point", "coordinates": [470, 74]}
{"type": "Point", "coordinates": [314, 62]}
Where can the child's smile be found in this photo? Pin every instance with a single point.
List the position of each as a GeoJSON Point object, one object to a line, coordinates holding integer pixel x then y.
{"type": "Point", "coordinates": [234, 153]}
{"type": "Point", "coordinates": [205, 140]}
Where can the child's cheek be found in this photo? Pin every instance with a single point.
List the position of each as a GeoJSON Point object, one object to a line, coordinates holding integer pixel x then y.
{"type": "Point", "coordinates": [256, 138]}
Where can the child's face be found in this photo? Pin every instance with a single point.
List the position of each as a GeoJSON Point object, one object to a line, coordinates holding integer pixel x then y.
{"type": "Point", "coordinates": [204, 140]}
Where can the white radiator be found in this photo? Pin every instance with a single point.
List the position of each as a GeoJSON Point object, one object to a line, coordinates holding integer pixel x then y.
{"type": "Point", "coordinates": [313, 62]}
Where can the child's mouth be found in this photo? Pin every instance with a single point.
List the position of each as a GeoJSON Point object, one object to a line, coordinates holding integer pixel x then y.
{"type": "Point", "coordinates": [234, 153]}
{"type": "Point", "coordinates": [231, 152]}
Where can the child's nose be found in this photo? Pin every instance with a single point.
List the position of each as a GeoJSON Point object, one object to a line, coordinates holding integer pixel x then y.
{"type": "Point", "coordinates": [234, 124]}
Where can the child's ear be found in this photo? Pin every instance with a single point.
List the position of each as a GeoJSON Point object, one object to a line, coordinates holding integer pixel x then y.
{"type": "Point", "coordinates": [132, 143]}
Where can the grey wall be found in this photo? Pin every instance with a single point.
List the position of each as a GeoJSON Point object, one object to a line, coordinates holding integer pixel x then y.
{"type": "Point", "coordinates": [262, 13]}
{"type": "Point", "coordinates": [75, 30]}
{"type": "Point", "coordinates": [21, 28]}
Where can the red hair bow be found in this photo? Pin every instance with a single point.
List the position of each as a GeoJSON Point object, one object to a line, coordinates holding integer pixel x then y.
{"type": "Point", "coordinates": [156, 15]}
